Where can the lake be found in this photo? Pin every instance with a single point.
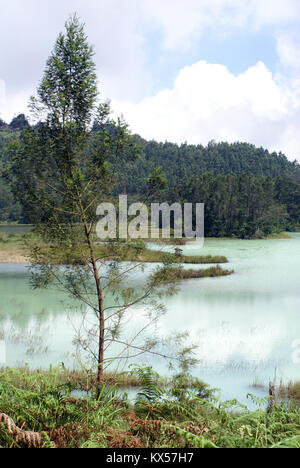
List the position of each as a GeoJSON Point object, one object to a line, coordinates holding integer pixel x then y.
{"type": "Point", "coordinates": [15, 228]}
{"type": "Point", "coordinates": [244, 325]}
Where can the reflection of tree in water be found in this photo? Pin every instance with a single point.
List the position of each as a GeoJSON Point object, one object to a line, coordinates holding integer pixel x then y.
{"type": "Point", "coordinates": [33, 338]}
{"type": "Point", "coordinates": [20, 303]}
{"type": "Point", "coordinates": [24, 306]}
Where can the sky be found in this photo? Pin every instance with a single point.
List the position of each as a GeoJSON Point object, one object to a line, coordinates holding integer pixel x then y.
{"type": "Point", "coordinates": [178, 70]}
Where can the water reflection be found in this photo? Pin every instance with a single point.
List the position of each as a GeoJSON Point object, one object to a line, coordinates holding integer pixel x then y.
{"type": "Point", "coordinates": [244, 324]}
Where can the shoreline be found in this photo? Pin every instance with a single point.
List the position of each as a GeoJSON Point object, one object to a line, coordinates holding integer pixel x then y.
{"type": "Point", "coordinates": [16, 255]}
{"type": "Point", "coordinates": [13, 258]}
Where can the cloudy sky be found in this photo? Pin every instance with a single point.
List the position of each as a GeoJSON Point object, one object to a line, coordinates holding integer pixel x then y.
{"type": "Point", "coordinates": [179, 70]}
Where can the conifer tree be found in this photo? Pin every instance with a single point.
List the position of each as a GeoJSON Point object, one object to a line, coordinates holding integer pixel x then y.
{"type": "Point", "coordinates": [61, 169]}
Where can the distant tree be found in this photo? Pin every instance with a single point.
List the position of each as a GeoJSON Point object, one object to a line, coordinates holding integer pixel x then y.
{"type": "Point", "coordinates": [19, 123]}
{"type": "Point", "coordinates": [10, 211]}
{"type": "Point", "coordinates": [2, 124]}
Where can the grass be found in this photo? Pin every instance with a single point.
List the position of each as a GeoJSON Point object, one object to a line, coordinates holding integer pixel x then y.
{"type": "Point", "coordinates": [169, 274]}
{"type": "Point", "coordinates": [258, 384]}
{"type": "Point", "coordinates": [11, 240]}
{"type": "Point", "coordinates": [291, 391]}
{"type": "Point", "coordinates": [12, 250]}
{"type": "Point", "coordinates": [294, 391]}
{"type": "Point", "coordinates": [280, 235]}
{"type": "Point", "coordinates": [37, 410]}
{"type": "Point", "coordinates": [154, 256]}
{"type": "Point", "coordinates": [36, 380]}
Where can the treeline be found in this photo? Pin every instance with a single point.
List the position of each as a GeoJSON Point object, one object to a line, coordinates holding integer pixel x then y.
{"type": "Point", "coordinates": [247, 191]}
{"type": "Point", "coordinates": [243, 205]}
{"type": "Point", "coordinates": [10, 209]}
{"type": "Point", "coordinates": [189, 161]}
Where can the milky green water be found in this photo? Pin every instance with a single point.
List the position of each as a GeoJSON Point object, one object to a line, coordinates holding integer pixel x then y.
{"type": "Point", "coordinates": [245, 325]}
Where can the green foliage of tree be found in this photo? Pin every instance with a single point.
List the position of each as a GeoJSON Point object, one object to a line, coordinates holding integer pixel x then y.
{"type": "Point", "coordinates": [68, 90]}
{"type": "Point", "coordinates": [2, 124]}
{"type": "Point", "coordinates": [162, 170]}
{"type": "Point", "coordinates": [19, 122]}
{"type": "Point", "coordinates": [10, 209]}
{"type": "Point", "coordinates": [181, 161]}
{"type": "Point", "coordinates": [242, 206]}
{"type": "Point", "coordinates": [247, 191]}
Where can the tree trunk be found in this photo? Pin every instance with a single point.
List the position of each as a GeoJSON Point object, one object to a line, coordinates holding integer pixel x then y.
{"type": "Point", "coordinates": [100, 310]}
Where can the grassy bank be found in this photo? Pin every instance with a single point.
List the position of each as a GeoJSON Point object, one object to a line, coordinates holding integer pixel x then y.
{"type": "Point", "coordinates": [282, 391]}
{"type": "Point", "coordinates": [36, 380]}
{"type": "Point", "coordinates": [292, 391]}
{"type": "Point", "coordinates": [169, 274]}
{"type": "Point", "coordinates": [38, 410]}
{"type": "Point", "coordinates": [12, 250]}
{"type": "Point", "coordinates": [281, 235]}
{"type": "Point", "coordinates": [159, 256]}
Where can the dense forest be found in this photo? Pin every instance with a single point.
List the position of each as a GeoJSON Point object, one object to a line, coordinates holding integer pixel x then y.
{"type": "Point", "coordinates": [247, 191]}
{"type": "Point", "coordinates": [10, 209]}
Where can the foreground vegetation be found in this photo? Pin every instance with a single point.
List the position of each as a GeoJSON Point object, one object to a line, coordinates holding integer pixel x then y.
{"type": "Point", "coordinates": [39, 410]}
{"type": "Point", "coordinates": [283, 391]}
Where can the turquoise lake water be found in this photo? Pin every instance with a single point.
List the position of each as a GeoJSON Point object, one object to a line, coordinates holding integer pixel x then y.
{"type": "Point", "coordinates": [244, 325]}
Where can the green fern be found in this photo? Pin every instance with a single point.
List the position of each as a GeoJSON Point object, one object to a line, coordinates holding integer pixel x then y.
{"type": "Point", "coordinates": [152, 386]}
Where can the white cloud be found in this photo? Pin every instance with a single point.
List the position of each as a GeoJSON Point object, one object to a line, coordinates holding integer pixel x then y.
{"type": "Point", "coordinates": [274, 12]}
{"type": "Point", "coordinates": [29, 30]}
{"type": "Point", "coordinates": [15, 104]}
{"type": "Point", "coordinates": [208, 102]}
{"type": "Point", "coordinates": [119, 31]}
{"type": "Point", "coordinates": [288, 50]}
{"type": "Point", "coordinates": [181, 22]}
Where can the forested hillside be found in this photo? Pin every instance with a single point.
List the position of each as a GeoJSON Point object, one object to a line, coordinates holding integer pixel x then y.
{"type": "Point", "coordinates": [179, 162]}
{"type": "Point", "coordinates": [247, 191]}
{"type": "Point", "coordinates": [10, 210]}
